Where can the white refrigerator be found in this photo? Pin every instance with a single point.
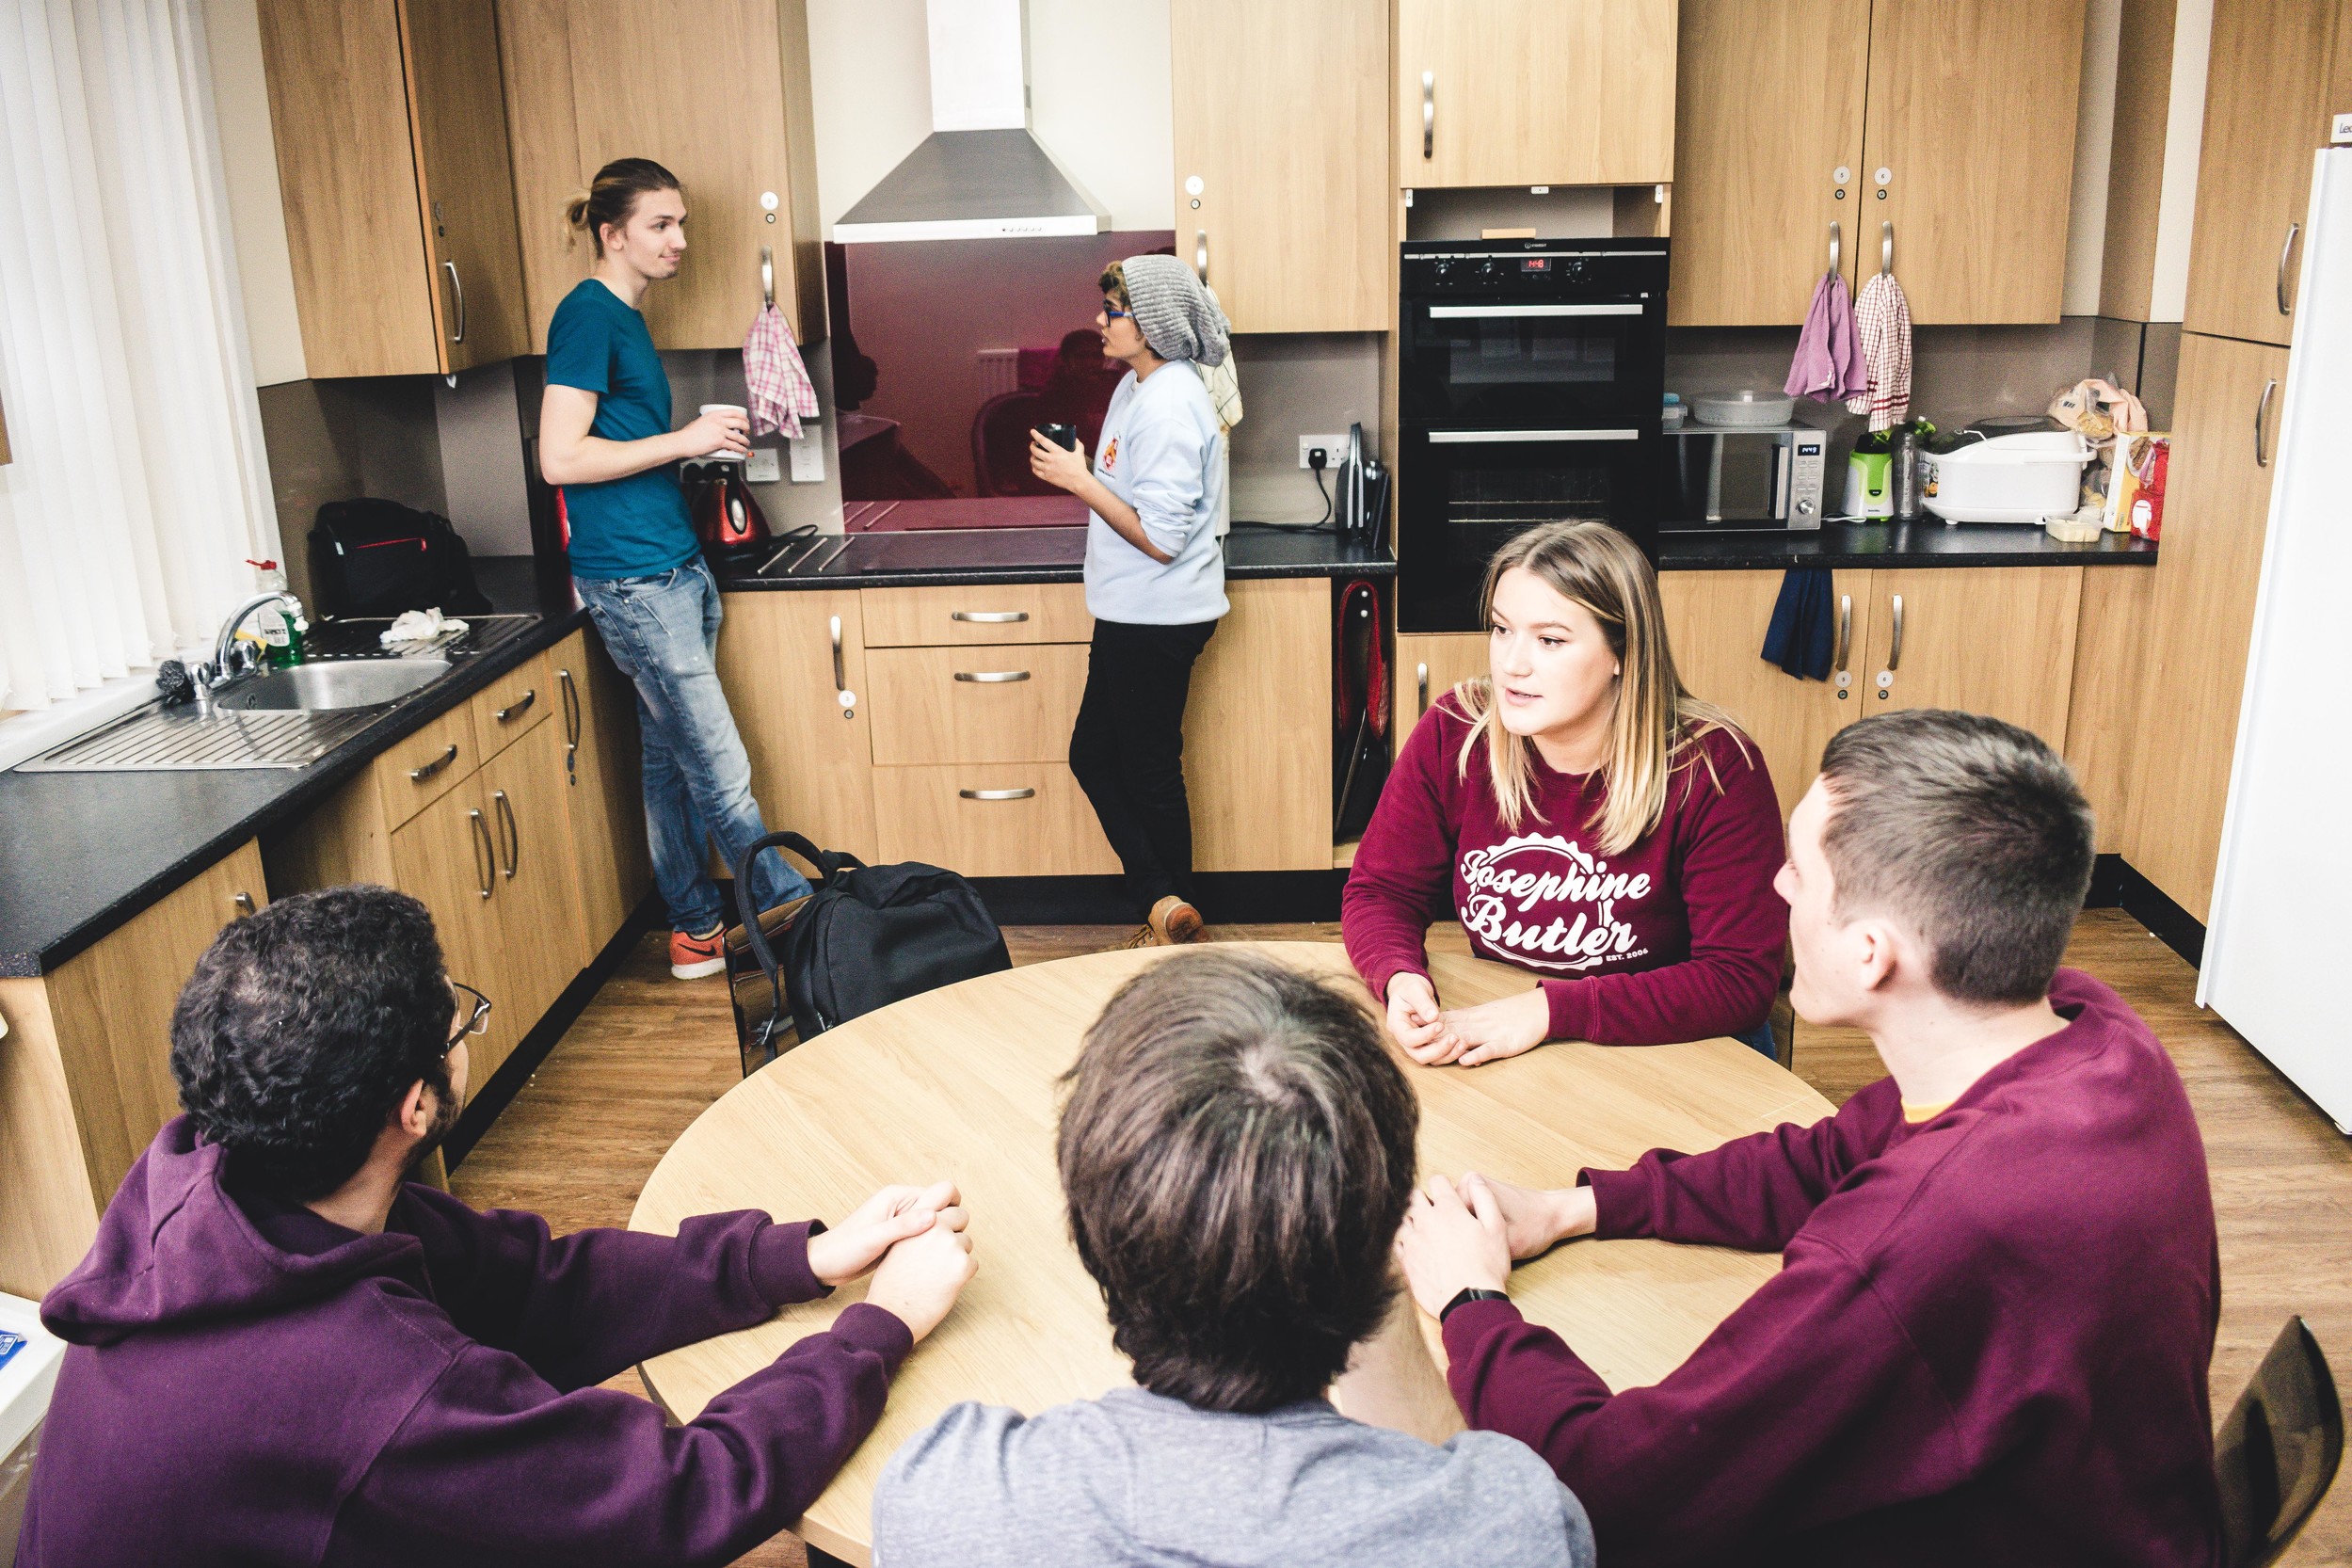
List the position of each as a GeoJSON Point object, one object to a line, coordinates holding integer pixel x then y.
{"type": "Point", "coordinates": [2280, 943]}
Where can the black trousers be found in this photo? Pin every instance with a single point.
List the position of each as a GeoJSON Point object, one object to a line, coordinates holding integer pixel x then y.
{"type": "Point", "coordinates": [1127, 751]}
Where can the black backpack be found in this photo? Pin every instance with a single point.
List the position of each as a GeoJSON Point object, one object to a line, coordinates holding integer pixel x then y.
{"type": "Point", "coordinates": [378, 558]}
{"type": "Point", "coordinates": [871, 936]}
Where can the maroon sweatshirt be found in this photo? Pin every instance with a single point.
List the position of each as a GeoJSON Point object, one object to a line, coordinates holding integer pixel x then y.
{"type": "Point", "coordinates": [248, 1382]}
{"type": "Point", "coordinates": [1988, 1342]}
{"type": "Point", "coordinates": [1679, 937]}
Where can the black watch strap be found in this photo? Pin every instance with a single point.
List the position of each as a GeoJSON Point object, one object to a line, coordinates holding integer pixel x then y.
{"type": "Point", "coordinates": [1471, 1294]}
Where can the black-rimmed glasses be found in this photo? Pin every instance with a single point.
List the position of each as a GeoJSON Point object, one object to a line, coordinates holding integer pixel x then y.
{"type": "Point", "coordinates": [478, 1022]}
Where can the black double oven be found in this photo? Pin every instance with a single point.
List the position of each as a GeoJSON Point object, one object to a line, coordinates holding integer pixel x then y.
{"type": "Point", "coordinates": [1530, 381]}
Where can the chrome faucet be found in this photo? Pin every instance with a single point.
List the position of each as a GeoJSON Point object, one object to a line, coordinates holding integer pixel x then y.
{"type": "Point", "coordinates": [221, 671]}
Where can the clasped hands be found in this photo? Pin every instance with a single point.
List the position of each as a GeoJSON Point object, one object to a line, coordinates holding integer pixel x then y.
{"type": "Point", "coordinates": [1463, 1236]}
{"type": "Point", "coordinates": [913, 1240]}
{"type": "Point", "coordinates": [1464, 1036]}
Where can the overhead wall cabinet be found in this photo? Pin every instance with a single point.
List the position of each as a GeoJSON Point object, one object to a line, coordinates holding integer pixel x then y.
{"type": "Point", "coordinates": [393, 167]}
{"type": "Point", "coordinates": [716, 91]}
{"type": "Point", "coordinates": [1534, 92]}
{"type": "Point", "coordinates": [1283, 197]}
{"type": "Point", "coordinates": [1952, 121]}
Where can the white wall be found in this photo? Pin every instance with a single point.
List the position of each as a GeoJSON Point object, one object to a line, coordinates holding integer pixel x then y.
{"type": "Point", "coordinates": [2184, 139]}
{"type": "Point", "coordinates": [2094, 142]}
{"type": "Point", "coordinates": [232, 33]}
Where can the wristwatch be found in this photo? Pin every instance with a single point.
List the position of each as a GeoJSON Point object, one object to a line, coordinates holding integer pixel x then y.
{"type": "Point", "coordinates": [1471, 1293]}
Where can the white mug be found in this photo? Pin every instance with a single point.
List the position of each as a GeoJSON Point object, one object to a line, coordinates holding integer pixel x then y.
{"type": "Point", "coordinates": [722, 455]}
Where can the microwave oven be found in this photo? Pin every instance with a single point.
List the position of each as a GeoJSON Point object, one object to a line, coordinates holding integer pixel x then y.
{"type": "Point", "coordinates": [1725, 479]}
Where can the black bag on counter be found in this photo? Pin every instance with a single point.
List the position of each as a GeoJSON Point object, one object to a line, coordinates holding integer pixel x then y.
{"type": "Point", "coordinates": [378, 558]}
{"type": "Point", "coordinates": [871, 936]}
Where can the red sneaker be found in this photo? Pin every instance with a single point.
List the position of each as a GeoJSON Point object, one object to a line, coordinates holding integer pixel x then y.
{"type": "Point", "coordinates": [692, 957]}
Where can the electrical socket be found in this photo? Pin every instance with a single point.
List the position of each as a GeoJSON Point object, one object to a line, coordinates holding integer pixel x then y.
{"type": "Point", "coordinates": [762, 468]}
{"type": "Point", "coordinates": [1334, 449]}
{"type": "Point", "coordinates": [807, 455]}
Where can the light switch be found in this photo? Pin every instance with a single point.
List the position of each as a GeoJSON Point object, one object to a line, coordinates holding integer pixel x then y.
{"type": "Point", "coordinates": [807, 459]}
{"type": "Point", "coordinates": [762, 468]}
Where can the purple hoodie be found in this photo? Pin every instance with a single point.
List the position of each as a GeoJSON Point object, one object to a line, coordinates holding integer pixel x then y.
{"type": "Point", "coordinates": [248, 1382]}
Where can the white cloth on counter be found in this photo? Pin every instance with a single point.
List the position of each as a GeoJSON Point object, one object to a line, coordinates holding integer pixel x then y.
{"type": "Point", "coordinates": [1161, 453]}
{"type": "Point", "coordinates": [417, 630]}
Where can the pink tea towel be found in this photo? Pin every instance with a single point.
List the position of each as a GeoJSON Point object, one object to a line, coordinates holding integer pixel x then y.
{"type": "Point", "coordinates": [781, 393]}
{"type": "Point", "coordinates": [1829, 356]}
{"type": "Point", "coordinates": [1882, 318]}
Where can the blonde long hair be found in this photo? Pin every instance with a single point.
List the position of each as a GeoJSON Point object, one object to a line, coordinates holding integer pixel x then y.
{"type": "Point", "coordinates": [1656, 724]}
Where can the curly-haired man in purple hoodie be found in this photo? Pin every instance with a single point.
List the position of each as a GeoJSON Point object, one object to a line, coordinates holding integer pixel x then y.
{"type": "Point", "coordinates": [282, 1351]}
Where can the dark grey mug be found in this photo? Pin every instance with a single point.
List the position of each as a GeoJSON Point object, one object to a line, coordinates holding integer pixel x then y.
{"type": "Point", "coordinates": [1063, 435]}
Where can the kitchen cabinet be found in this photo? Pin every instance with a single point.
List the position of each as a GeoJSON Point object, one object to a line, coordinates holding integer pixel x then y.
{"type": "Point", "coordinates": [2103, 716]}
{"type": "Point", "coordinates": [1430, 664]}
{"type": "Point", "coordinates": [1258, 731]}
{"type": "Point", "coordinates": [1769, 100]}
{"type": "Point", "coordinates": [2268, 96]}
{"type": "Point", "coordinates": [1521, 92]}
{"type": "Point", "coordinates": [1968, 108]}
{"type": "Point", "coordinates": [446, 858]}
{"type": "Point", "coordinates": [533, 907]}
{"type": "Point", "coordinates": [513, 705]}
{"type": "Point", "coordinates": [1996, 640]}
{"type": "Point", "coordinates": [981, 613]}
{"type": "Point", "coordinates": [393, 166]}
{"type": "Point", "coordinates": [1002, 819]}
{"type": "Point", "coordinates": [1011, 704]}
{"type": "Point", "coordinates": [2192, 655]}
{"type": "Point", "coordinates": [86, 1068]}
{"type": "Point", "coordinates": [603, 793]}
{"type": "Point", "coordinates": [717, 92]}
{"type": "Point", "coordinates": [1281, 193]}
{"type": "Point", "coordinates": [793, 665]}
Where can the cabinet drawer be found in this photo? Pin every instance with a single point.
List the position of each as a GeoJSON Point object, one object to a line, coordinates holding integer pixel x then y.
{"type": "Point", "coordinates": [967, 705]}
{"type": "Point", "coordinates": [999, 819]}
{"type": "Point", "coordinates": [995, 612]}
{"type": "Point", "coordinates": [412, 773]}
{"type": "Point", "coordinates": [514, 704]}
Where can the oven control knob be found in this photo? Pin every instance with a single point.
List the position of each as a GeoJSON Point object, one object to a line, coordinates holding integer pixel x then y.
{"type": "Point", "coordinates": [1490, 269]}
{"type": "Point", "coordinates": [1804, 508]}
{"type": "Point", "coordinates": [1441, 267]}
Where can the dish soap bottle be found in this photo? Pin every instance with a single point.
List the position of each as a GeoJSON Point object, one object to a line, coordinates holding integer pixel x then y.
{"type": "Point", "coordinates": [281, 625]}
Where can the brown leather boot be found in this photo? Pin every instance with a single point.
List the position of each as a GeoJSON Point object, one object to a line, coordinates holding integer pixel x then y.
{"type": "Point", "coordinates": [1174, 921]}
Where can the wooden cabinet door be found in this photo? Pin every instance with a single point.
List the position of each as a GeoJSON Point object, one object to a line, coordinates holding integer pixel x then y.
{"type": "Point", "coordinates": [1537, 92]}
{"type": "Point", "coordinates": [786, 658]}
{"type": "Point", "coordinates": [1769, 99]}
{"type": "Point", "coordinates": [1258, 731]}
{"type": "Point", "coordinates": [1971, 114]}
{"type": "Point", "coordinates": [604, 789]}
{"type": "Point", "coordinates": [535, 904]}
{"type": "Point", "coordinates": [1430, 664]}
{"type": "Point", "coordinates": [1279, 179]}
{"type": "Point", "coordinates": [1996, 640]}
{"type": "Point", "coordinates": [446, 857]}
{"type": "Point", "coordinates": [1009, 704]}
{"type": "Point", "coordinates": [1716, 622]}
{"type": "Point", "coordinates": [2192, 658]}
{"type": "Point", "coordinates": [458, 120]}
{"type": "Point", "coordinates": [2266, 109]}
{"type": "Point", "coordinates": [997, 818]}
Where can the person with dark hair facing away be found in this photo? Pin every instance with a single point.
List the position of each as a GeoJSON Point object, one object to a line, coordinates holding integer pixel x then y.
{"type": "Point", "coordinates": [606, 436]}
{"type": "Point", "coordinates": [1989, 1339]}
{"type": "Point", "coordinates": [1235, 1150]}
{"type": "Point", "coordinates": [280, 1350]}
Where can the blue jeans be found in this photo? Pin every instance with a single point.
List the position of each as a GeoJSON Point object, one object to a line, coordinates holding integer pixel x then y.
{"type": "Point", "coordinates": [664, 633]}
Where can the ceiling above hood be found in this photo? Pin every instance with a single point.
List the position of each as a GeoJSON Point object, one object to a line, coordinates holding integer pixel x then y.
{"type": "Point", "coordinates": [980, 174]}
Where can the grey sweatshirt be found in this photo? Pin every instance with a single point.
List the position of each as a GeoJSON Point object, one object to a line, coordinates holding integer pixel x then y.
{"type": "Point", "coordinates": [1134, 1478]}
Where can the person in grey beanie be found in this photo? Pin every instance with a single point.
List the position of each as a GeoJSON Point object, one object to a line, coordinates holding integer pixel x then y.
{"type": "Point", "coordinates": [1154, 575]}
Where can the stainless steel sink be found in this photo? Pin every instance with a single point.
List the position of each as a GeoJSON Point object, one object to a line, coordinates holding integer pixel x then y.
{"type": "Point", "coordinates": [328, 686]}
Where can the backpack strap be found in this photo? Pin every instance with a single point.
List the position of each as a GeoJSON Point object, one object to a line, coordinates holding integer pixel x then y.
{"type": "Point", "coordinates": [829, 865]}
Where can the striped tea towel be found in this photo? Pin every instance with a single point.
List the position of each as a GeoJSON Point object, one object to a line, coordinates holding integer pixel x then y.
{"type": "Point", "coordinates": [1882, 319]}
{"type": "Point", "coordinates": [781, 393]}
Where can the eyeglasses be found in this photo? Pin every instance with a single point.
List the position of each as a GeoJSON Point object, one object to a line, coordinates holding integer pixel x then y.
{"type": "Point", "coordinates": [478, 1022]}
{"type": "Point", "coordinates": [1116, 313]}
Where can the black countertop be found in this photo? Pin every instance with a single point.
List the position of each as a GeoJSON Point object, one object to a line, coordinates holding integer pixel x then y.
{"type": "Point", "coordinates": [945, 557]}
{"type": "Point", "coordinates": [1898, 544]}
{"type": "Point", "coordinates": [82, 853]}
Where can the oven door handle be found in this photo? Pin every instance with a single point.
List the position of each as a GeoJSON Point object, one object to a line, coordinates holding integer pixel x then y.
{"type": "Point", "coordinates": [1613, 308]}
{"type": "Point", "coordinates": [1457, 438]}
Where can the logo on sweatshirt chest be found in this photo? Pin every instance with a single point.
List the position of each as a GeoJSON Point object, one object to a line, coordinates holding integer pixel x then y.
{"type": "Point", "coordinates": [1540, 899]}
{"type": "Point", "coordinates": [1110, 456]}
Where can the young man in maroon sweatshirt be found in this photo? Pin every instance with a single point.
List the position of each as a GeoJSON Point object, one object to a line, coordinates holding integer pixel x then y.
{"type": "Point", "coordinates": [1990, 1338]}
{"type": "Point", "coordinates": [281, 1352]}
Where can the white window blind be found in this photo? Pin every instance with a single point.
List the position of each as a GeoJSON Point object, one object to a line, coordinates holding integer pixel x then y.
{"type": "Point", "coordinates": [139, 489]}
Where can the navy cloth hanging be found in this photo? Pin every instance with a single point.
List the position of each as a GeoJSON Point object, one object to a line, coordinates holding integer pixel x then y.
{"type": "Point", "coordinates": [1802, 637]}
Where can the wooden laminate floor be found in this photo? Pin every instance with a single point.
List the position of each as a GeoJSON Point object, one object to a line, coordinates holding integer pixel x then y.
{"type": "Point", "coordinates": [650, 1054]}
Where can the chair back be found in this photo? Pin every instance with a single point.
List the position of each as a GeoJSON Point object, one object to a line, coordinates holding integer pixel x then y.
{"type": "Point", "coordinates": [2278, 1452]}
{"type": "Point", "coordinates": [1001, 429]}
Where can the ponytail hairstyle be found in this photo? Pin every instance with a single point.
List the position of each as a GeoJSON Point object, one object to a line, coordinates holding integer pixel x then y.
{"type": "Point", "coordinates": [612, 196]}
{"type": "Point", "coordinates": [1655, 723]}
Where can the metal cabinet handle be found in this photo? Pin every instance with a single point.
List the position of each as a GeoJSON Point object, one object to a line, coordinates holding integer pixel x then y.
{"type": "Point", "coordinates": [458, 288]}
{"type": "Point", "coordinates": [1886, 246]}
{"type": "Point", "coordinates": [1420, 685]}
{"type": "Point", "coordinates": [991, 677]}
{"type": "Point", "coordinates": [516, 709]}
{"type": "Point", "coordinates": [2285, 252]}
{"type": "Point", "coordinates": [2262, 412]}
{"type": "Point", "coordinates": [514, 833]}
{"type": "Point", "coordinates": [989, 617]}
{"type": "Point", "coordinates": [1429, 113]}
{"type": "Point", "coordinates": [571, 726]}
{"type": "Point", "coordinates": [485, 861]}
{"type": "Point", "coordinates": [996, 794]}
{"type": "Point", "coordinates": [1894, 650]}
{"type": "Point", "coordinates": [1845, 630]}
{"type": "Point", "coordinates": [419, 775]}
{"type": "Point", "coordinates": [1200, 253]}
{"type": "Point", "coordinates": [842, 694]}
{"type": "Point", "coordinates": [767, 275]}
{"type": "Point", "coordinates": [243, 904]}
{"type": "Point", "coordinates": [1837, 246]}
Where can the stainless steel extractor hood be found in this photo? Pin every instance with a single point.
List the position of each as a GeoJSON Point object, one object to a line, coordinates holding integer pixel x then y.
{"type": "Point", "coordinates": [980, 174]}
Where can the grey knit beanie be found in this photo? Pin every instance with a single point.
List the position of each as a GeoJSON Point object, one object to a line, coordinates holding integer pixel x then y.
{"type": "Point", "coordinates": [1173, 313]}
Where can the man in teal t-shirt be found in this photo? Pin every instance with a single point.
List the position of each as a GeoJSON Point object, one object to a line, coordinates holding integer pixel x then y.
{"type": "Point", "coordinates": [606, 436]}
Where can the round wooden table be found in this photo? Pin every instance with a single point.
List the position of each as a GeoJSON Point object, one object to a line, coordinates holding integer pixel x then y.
{"type": "Point", "coordinates": [960, 1083]}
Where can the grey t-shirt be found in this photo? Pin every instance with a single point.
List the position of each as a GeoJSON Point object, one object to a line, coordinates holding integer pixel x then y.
{"type": "Point", "coordinates": [1135, 1477]}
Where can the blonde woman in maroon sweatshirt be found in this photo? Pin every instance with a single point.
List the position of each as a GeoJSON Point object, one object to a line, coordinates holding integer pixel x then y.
{"type": "Point", "coordinates": [1585, 819]}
